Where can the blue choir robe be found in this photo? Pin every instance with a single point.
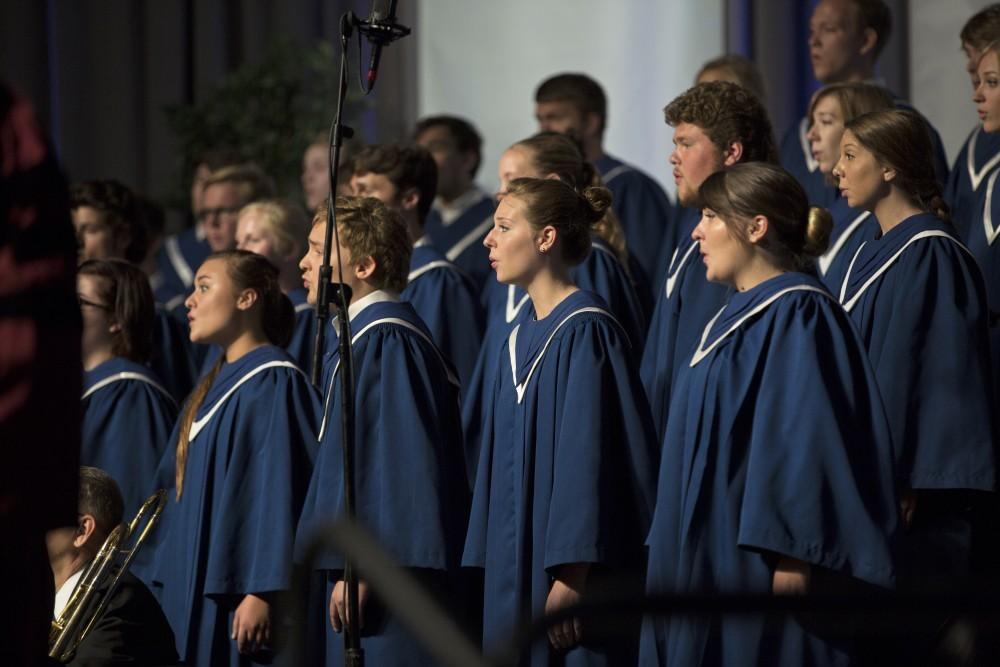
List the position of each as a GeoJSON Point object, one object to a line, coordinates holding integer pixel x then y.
{"type": "Point", "coordinates": [981, 239]}
{"type": "Point", "coordinates": [796, 156]}
{"type": "Point", "coordinates": [458, 232]}
{"type": "Point", "coordinates": [565, 471]}
{"type": "Point", "coordinates": [127, 417]}
{"type": "Point", "coordinates": [177, 263]}
{"type": "Point", "coordinates": [173, 361]}
{"type": "Point", "coordinates": [977, 160]}
{"type": "Point", "coordinates": [448, 303]}
{"type": "Point", "coordinates": [232, 531]}
{"type": "Point", "coordinates": [851, 228]}
{"type": "Point", "coordinates": [777, 445]}
{"type": "Point", "coordinates": [646, 215]}
{"type": "Point", "coordinates": [412, 493]}
{"type": "Point", "coordinates": [684, 304]}
{"type": "Point", "coordinates": [918, 299]}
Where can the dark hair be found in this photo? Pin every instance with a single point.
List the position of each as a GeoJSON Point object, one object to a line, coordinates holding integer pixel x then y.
{"type": "Point", "coordinates": [118, 210]}
{"type": "Point", "coordinates": [467, 139]}
{"type": "Point", "coordinates": [900, 139]}
{"type": "Point", "coordinates": [797, 232]}
{"type": "Point", "coordinates": [101, 498]}
{"type": "Point", "coordinates": [560, 154]}
{"type": "Point", "coordinates": [728, 113]}
{"type": "Point", "coordinates": [124, 288]}
{"type": "Point", "coordinates": [742, 69]}
{"type": "Point", "coordinates": [855, 99]}
{"type": "Point", "coordinates": [152, 217]}
{"type": "Point", "coordinates": [369, 228]}
{"type": "Point", "coordinates": [982, 28]}
{"type": "Point", "coordinates": [550, 202]}
{"type": "Point", "coordinates": [579, 90]}
{"type": "Point", "coordinates": [405, 166]}
{"type": "Point", "coordinates": [874, 14]}
{"type": "Point", "coordinates": [247, 271]}
{"type": "Point", "coordinates": [219, 157]}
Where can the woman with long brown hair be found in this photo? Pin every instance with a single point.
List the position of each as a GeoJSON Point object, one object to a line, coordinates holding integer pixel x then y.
{"type": "Point", "coordinates": [244, 447]}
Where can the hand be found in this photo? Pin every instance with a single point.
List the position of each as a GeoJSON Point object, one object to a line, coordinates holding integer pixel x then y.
{"type": "Point", "coordinates": [567, 590]}
{"type": "Point", "coordinates": [251, 624]}
{"type": "Point", "coordinates": [907, 506]}
{"type": "Point", "coordinates": [338, 605]}
{"type": "Point", "coordinates": [791, 577]}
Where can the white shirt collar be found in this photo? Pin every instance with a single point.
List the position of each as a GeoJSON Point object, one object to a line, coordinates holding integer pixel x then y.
{"type": "Point", "coordinates": [422, 241]}
{"type": "Point", "coordinates": [65, 591]}
{"type": "Point", "coordinates": [452, 211]}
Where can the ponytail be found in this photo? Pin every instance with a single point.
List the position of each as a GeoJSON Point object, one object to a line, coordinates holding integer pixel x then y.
{"type": "Point", "coordinates": [187, 420]}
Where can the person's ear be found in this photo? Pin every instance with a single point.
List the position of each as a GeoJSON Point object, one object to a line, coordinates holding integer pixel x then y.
{"type": "Point", "coordinates": [365, 268]}
{"type": "Point", "coordinates": [409, 199]}
{"type": "Point", "coordinates": [869, 40]}
{"type": "Point", "coordinates": [757, 229]}
{"type": "Point", "coordinates": [733, 154]}
{"type": "Point", "coordinates": [114, 327]}
{"type": "Point", "coordinates": [888, 174]}
{"type": "Point", "coordinates": [246, 299]}
{"type": "Point", "coordinates": [552, 177]}
{"type": "Point", "coordinates": [546, 238]}
{"type": "Point", "coordinates": [85, 527]}
{"type": "Point", "coordinates": [592, 124]}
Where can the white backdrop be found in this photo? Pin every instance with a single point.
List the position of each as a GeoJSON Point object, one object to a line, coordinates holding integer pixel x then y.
{"type": "Point", "coordinates": [939, 87]}
{"type": "Point", "coordinates": [482, 60]}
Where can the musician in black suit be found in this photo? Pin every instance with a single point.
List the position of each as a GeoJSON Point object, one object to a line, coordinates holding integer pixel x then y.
{"type": "Point", "coordinates": [132, 628]}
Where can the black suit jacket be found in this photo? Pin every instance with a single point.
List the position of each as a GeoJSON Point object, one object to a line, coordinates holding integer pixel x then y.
{"type": "Point", "coordinates": [132, 630]}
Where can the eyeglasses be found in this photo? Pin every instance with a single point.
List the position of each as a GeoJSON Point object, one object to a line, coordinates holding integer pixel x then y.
{"type": "Point", "coordinates": [207, 213]}
{"type": "Point", "coordinates": [87, 302]}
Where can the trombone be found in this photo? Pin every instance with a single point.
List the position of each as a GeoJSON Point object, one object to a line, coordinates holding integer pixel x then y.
{"type": "Point", "coordinates": [85, 606]}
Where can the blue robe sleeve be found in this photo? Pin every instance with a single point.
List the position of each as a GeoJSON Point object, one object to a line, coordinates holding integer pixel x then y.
{"type": "Point", "coordinates": [273, 447]}
{"type": "Point", "coordinates": [448, 304]}
{"type": "Point", "coordinates": [605, 457]}
{"type": "Point", "coordinates": [125, 431]}
{"type": "Point", "coordinates": [819, 483]}
{"type": "Point", "coordinates": [932, 361]}
{"type": "Point", "coordinates": [412, 491]}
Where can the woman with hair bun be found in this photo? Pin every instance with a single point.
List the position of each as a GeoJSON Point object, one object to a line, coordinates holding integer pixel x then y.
{"type": "Point", "coordinates": [919, 302]}
{"type": "Point", "coordinates": [127, 412]}
{"type": "Point", "coordinates": [776, 469]}
{"type": "Point", "coordinates": [568, 414]}
{"type": "Point", "coordinates": [237, 476]}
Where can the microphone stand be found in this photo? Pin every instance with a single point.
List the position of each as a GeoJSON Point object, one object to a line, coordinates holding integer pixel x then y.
{"type": "Point", "coordinates": [339, 295]}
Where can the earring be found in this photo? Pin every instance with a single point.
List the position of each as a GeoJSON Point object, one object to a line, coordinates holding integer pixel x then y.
{"type": "Point", "coordinates": [543, 249]}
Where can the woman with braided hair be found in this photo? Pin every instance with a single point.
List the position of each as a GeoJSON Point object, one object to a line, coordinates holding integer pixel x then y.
{"type": "Point", "coordinates": [237, 475]}
{"type": "Point", "coordinates": [919, 301]}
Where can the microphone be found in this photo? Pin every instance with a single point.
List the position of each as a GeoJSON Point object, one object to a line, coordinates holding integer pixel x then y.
{"type": "Point", "coordinates": [376, 27]}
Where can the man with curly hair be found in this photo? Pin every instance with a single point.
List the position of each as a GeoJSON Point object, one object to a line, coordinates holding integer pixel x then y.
{"type": "Point", "coordinates": [716, 124]}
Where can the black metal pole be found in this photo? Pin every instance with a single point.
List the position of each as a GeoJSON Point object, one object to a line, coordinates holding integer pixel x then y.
{"type": "Point", "coordinates": [353, 654]}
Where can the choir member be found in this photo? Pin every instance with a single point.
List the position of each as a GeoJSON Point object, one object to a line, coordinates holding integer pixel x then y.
{"type": "Point", "coordinates": [984, 226]}
{"type": "Point", "coordinates": [716, 124]}
{"type": "Point", "coordinates": [127, 413]}
{"type": "Point", "coordinates": [564, 485]}
{"type": "Point", "coordinates": [462, 214]}
{"type": "Point", "coordinates": [776, 470]}
{"type": "Point", "coordinates": [276, 229]}
{"type": "Point", "coordinates": [736, 68]}
{"type": "Point", "coordinates": [109, 225]}
{"type": "Point", "coordinates": [919, 302]}
{"type": "Point", "coordinates": [575, 104]}
{"type": "Point", "coordinates": [316, 170]}
{"type": "Point", "coordinates": [237, 476]}
{"type": "Point", "coordinates": [979, 156]}
{"type": "Point", "coordinates": [445, 297]}
{"type": "Point", "coordinates": [412, 493]}
{"type": "Point", "coordinates": [845, 40]}
{"type": "Point", "coordinates": [183, 253]}
{"type": "Point", "coordinates": [831, 107]}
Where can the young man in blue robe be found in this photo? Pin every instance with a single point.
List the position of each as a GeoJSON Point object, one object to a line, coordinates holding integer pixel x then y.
{"type": "Point", "coordinates": [704, 142]}
{"type": "Point", "coordinates": [445, 297]}
{"type": "Point", "coordinates": [237, 472]}
{"type": "Point", "coordinates": [412, 493]}
{"type": "Point", "coordinates": [845, 39]}
{"type": "Point", "coordinates": [575, 104]}
{"type": "Point", "coordinates": [462, 213]}
{"type": "Point", "coordinates": [767, 485]}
